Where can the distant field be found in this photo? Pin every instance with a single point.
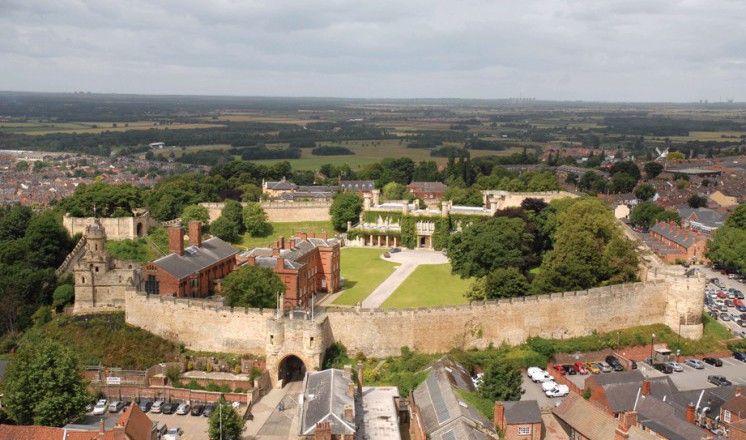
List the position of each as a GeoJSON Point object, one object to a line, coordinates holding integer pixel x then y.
{"type": "Point", "coordinates": [287, 230]}
{"type": "Point", "coordinates": [253, 117]}
{"type": "Point", "coordinates": [363, 270]}
{"type": "Point", "coordinates": [706, 136]}
{"type": "Point", "coordinates": [429, 285]}
{"type": "Point", "coordinates": [40, 128]}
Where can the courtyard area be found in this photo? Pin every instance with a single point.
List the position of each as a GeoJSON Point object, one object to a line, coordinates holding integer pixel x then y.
{"type": "Point", "coordinates": [410, 278]}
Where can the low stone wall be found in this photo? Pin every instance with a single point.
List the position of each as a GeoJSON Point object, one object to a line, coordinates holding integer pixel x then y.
{"type": "Point", "coordinates": [283, 212]}
{"type": "Point", "coordinates": [119, 228]}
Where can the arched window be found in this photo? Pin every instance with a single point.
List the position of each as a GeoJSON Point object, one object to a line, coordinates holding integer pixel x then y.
{"type": "Point", "coordinates": [82, 280]}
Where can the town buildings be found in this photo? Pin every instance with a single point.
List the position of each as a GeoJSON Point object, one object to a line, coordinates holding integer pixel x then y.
{"type": "Point", "coordinates": [306, 264]}
{"type": "Point", "coordinates": [429, 192]}
{"type": "Point", "coordinates": [286, 190]}
{"type": "Point", "coordinates": [519, 420]}
{"type": "Point", "coordinates": [679, 244]}
{"type": "Point", "coordinates": [192, 272]}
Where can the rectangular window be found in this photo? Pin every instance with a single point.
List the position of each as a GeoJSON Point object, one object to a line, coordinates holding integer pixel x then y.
{"type": "Point", "coordinates": [524, 430]}
{"type": "Point", "coordinates": [152, 286]}
{"type": "Point", "coordinates": [726, 416]}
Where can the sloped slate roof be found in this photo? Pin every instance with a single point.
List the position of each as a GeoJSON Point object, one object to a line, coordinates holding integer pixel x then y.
{"type": "Point", "coordinates": [281, 185]}
{"type": "Point", "coordinates": [195, 258]}
{"type": "Point", "coordinates": [622, 395]}
{"type": "Point", "coordinates": [526, 411]}
{"type": "Point", "coordinates": [357, 185]}
{"type": "Point", "coordinates": [665, 420]}
{"type": "Point", "coordinates": [591, 421]}
{"type": "Point", "coordinates": [675, 234]}
{"type": "Point", "coordinates": [324, 399]}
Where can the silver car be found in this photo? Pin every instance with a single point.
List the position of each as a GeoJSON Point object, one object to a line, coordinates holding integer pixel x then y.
{"type": "Point", "coordinates": [676, 366]}
{"type": "Point", "coordinates": [695, 363]}
{"type": "Point", "coordinates": [606, 368]}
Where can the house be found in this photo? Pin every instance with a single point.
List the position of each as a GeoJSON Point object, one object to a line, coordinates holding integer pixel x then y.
{"type": "Point", "coordinates": [437, 411]}
{"type": "Point", "coordinates": [707, 403]}
{"type": "Point", "coordinates": [306, 264]}
{"type": "Point", "coordinates": [427, 191]}
{"type": "Point", "coordinates": [333, 407]}
{"type": "Point", "coordinates": [685, 244]}
{"type": "Point", "coordinates": [519, 420]}
{"type": "Point", "coordinates": [133, 424]}
{"type": "Point", "coordinates": [702, 219]}
{"type": "Point", "coordinates": [192, 272]}
{"type": "Point", "coordinates": [666, 420]}
{"type": "Point", "coordinates": [276, 189]}
{"type": "Point", "coordinates": [617, 393]}
{"type": "Point", "coordinates": [360, 187]}
{"type": "Point", "coordinates": [723, 200]}
{"type": "Point", "coordinates": [583, 420]}
{"type": "Point", "coordinates": [734, 410]}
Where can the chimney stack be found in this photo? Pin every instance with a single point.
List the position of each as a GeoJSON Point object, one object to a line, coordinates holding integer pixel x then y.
{"type": "Point", "coordinates": [628, 419]}
{"type": "Point", "coordinates": [690, 412]}
{"type": "Point", "coordinates": [323, 431]}
{"type": "Point", "coordinates": [645, 387]}
{"type": "Point", "coordinates": [360, 377]}
{"type": "Point", "coordinates": [312, 234]}
{"type": "Point", "coordinates": [348, 371]}
{"type": "Point", "coordinates": [324, 236]}
{"type": "Point", "coordinates": [195, 233]}
{"type": "Point", "coordinates": [351, 389]}
{"type": "Point", "coordinates": [738, 391]}
{"type": "Point", "coordinates": [101, 428]}
{"type": "Point", "coordinates": [348, 413]}
{"type": "Point", "coordinates": [176, 241]}
{"type": "Point", "coordinates": [500, 415]}
{"type": "Point", "coordinates": [251, 261]}
{"type": "Point", "coordinates": [280, 263]}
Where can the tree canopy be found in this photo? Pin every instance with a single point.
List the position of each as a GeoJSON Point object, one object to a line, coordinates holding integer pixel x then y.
{"type": "Point", "coordinates": [195, 212]}
{"type": "Point", "coordinates": [108, 200]}
{"type": "Point", "coordinates": [645, 192]}
{"type": "Point", "coordinates": [345, 208]}
{"type": "Point", "coordinates": [501, 382]}
{"type": "Point", "coordinates": [255, 219]}
{"type": "Point", "coordinates": [224, 422]}
{"type": "Point", "coordinates": [44, 385]}
{"type": "Point", "coordinates": [252, 286]}
{"type": "Point", "coordinates": [728, 244]}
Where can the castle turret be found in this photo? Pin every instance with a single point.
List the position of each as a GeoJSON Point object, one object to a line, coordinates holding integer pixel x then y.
{"type": "Point", "coordinates": [685, 301]}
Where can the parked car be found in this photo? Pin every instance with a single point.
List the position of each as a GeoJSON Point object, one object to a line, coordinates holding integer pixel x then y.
{"type": "Point", "coordinates": [713, 361]}
{"type": "Point", "coordinates": [197, 410]}
{"type": "Point", "coordinates": [160, 429]}
{"type": "Point", "coordinates": [741, 356]}
{"type": "Point", "coordinates": [395, 250]}
{"type": "Point", "coordinates": [676, 366]}
{"type": "Point", "coordinates": [713, 313]}
{"type": "Point", "coordinates": [145, 405]}
{"type": "Point", "coordinates": [663, 368]}
{"type": "Point", "coordinates": [157, 407]}
{"type": "Point", "coordinates": [174, 433]}
{"type": "Point", "coordinates": [569, 369]}
{"type": "Point", "coordinates": [606, 368]}
{"type": "Point", "coordinates": [580, 368]}
{"type": "Point", "coordinates": [100, 407]}
{"type": "Point", "coordinates": [695, 363]}
{"type": "Point", "coordinates": [549, 385]}
{"type": "Point", "coordinates": [116, 406]}
{"type": "Point", "coordinates": [208, 410]}
{"type": "Point", "coordinates": [168, 408]}
{"type": "Point", "coordinates": [183, 409]}
{"type": "Point", "coordinates": [722, 295]}
{"type": "Point", "coordinates": [724, 317]}
{"type": "Point", "coordinates": [729, 303]}
{"type": "Point", "coordinates": [560, 369]}
{"type": "Point", "coordinates": [593, 367]}
{"type": "Point", "coordinates": [632, 365]}
{"type": "Point", "coordinates": [538, 375]}
{"type": "Point", "coordinates": [720, 381]}
{"type": "Point", "coordinates": [558, 391]}
{"type": "Point", "coordinates": [739, 295]}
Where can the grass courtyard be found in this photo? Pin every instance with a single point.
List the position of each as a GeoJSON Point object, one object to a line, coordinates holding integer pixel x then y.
{"type": "Point", "coordinates": [429, 285]}
{"type": "Point", "coordinates": [363, 270]}
{"type": "Point", "coordinates": [287, 230]}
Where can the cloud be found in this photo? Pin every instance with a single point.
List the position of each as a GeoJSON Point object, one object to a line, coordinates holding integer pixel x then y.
{"type": "Point", "coordinates": [639, 50]}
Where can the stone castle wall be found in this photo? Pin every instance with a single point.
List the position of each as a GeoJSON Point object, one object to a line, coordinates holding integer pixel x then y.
{"type": "Point", "coordinates": [120, 228]}
{"type": "Point", "coordinates": [283, 212]}
{"type": "Point", "coordinates": [202, 326]}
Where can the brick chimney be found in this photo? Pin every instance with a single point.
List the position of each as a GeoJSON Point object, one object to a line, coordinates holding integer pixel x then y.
{"type": "Point", "coordinates": [645, 387]}
{"type": "Point", "coordinates": [275, 251]}
{"type": "Point", "coordinates": [621, 433]}
{"type": "Point", "coordinates": [323, 431]}
{"type": "Point", "coordinates": [628, 419]}
{"type": "Point", "coordinates": [500, 415]}
{"type": "Point", "coordinates": [195, 233]}
{"type": "Point", "coordinates": [360, 377]}
{"type": "Point", "coordinates": [101, 428]}
{"type": "Point", "coordinates": [280, 242]}
{"type": "Point", "coordinates": [251, 261]}
{"type": "Point", "coordinates": [280, 263]}
{"type": "Point", "coordinates": [302, 235]}
{"type": "Point", "coordinates": [351, 389]}
{"type": "Point", "coordinates": [176, 241]}
{"type": "Point", "coordinates": [312, 235]}
{"type": "Point", "coordinates": [738, 391]}
{"type": "Point", "coordinates": [348, 371]}
{"type": "Point", "coordinates": [324, 236]}
{"type": "Point", "coordinates": [690, 414]}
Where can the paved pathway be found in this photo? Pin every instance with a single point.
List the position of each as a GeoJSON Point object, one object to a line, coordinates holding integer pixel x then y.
{"type": "Point", "coordinates": [264, 412]}
{"type": "Point", "coordinates": [409, 260]}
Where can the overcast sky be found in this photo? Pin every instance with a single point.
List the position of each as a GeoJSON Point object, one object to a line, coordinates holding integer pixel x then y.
{"type": "Point", "coordinates": [604, 50]}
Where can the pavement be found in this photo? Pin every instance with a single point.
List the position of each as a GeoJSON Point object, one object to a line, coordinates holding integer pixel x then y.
{"type": "Point", "coordinates": [533, 391]}
{"type": "Point", "coordinates": [282, 425]}
{"type": "Point", "coordinates": [266, 407]}
{"type": "Point", "coordinates": [408, 260]}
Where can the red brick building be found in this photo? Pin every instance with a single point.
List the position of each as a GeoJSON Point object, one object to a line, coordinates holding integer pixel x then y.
{"type": "Point", "coordinates": [519, 420]}
{"type": "Point", "coordinates": [194, 272]}
{"type": "Point", "coordinates": [680, 243]}
{"type": "Point", "coordinates": [306, 264]}
{"type": "Point", "coordinates": [733, 412]}
{"type": "Point", "coordinates": [427, 191]}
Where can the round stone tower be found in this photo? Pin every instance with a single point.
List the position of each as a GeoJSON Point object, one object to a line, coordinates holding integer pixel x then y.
{"type": "Point", "coordinates": [684, 301]}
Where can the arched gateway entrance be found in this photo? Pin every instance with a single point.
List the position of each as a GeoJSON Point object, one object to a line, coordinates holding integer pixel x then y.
{"type": "Point", "coordinates": [291, 369]}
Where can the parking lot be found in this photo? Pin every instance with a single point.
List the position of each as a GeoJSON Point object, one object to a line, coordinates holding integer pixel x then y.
{"type": "Point", "coordinates": [194, 427]}
{"type": "Point", "coordinates": [692, 379]}
{"type": "Point", "coordinates": [533, 392]}
{"type": "Point", "coordinates": [727, 284]}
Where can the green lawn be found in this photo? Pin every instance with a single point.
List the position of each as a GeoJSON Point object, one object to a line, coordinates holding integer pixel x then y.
{"type": "Point", "coordinates": [429, 285]}
{"type": "Point", "coordinates": [363, 270]}
{"type": "Point", "coordinates": [288, 230]}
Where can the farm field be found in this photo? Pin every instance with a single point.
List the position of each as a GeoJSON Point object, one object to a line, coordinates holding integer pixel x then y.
{"type": "Point", "coordinates": [429, 285]}
{"type": "Point", "coordinates": [707, 136]}
{"type": "Point", "coordinates": [40, 128]}
{"type": "Point", "coordinates": [362, 270]}
{"type": "Point", "coordinates": [286, 230]}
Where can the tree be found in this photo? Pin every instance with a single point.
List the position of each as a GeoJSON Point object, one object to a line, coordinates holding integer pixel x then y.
{"type": "Point", "coordinates": [592, 183]}
{"type": "Point", "coordinates": [233, 213]}
{"type": "Point", "coordinates": [252, 286]}
{"type": "Point", "coordinates": [44, 385]}
{"type": "Point", "coordinates": [628, 167]}
{"type": "Point", "coordinates": [22, 165]}
{"type": "Point", "coordinates": [696, 201]}
{"type": "Point", "coordinates": [488, 245]}
{"type": "Point", "coordinates": [500, 283]}
{"type": "Point", "coordinates": [14, 221]}
{"type": "Point", "coordinates": [195, 212]}
{"type": "Point", "coordinates": [255, 219]}
{"type": "Point", "coordinates": [426, 171]}
{"type": "Point", "coordinates": [645, 192]}
{"type": "Point", "coordinates": [546, 181]}
{"type": "Point", "coordinates": [676, 156]}
{"type": "Point", "coordinates": [645, 214]}
{"type": "Point", "coordinates": [728, 244]}
{"type": "Point", "coordinates": [345, 208]}
{"type": "Point", "coordinates": [501, 382]}
{"type": "Point", "coordinates": [622, 183]}
{"type": "Point", "coordinates": [464, 196]}
{"type": "Point", "coordinates": [250, 192]}
{"type": "Point", "coordinates": [395, 191]}
{"type": "Point", "coordinates": [224, 422]}
{"type": "Point", "coordinates": [63, 295]}
{"type": "Point", "coordinates": [653, 169]}
{"type": "Point", "coordinates": [108, 200]}
{"type": "Point", "coordinates": [48, 240]}
{"type": "Point", "coordinates": [225, 230]}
